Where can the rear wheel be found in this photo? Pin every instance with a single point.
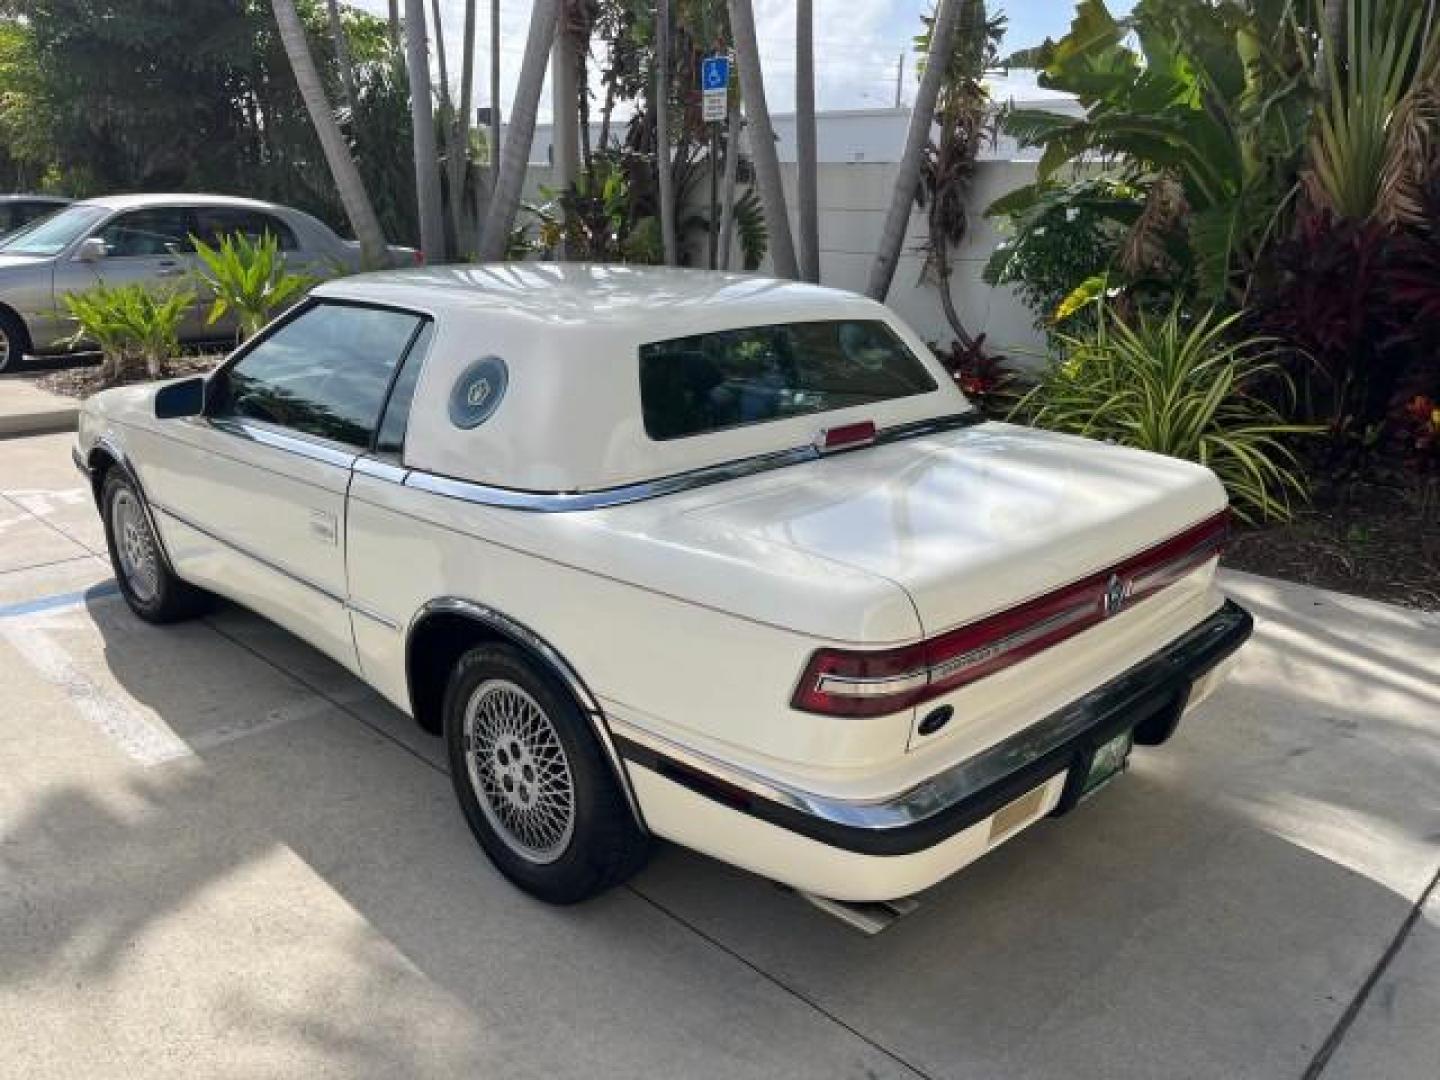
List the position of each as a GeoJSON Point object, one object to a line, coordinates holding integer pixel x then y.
{"type": "Point", "coordinates": [14, 341]}
{"type": "Point", "coordinates": [149, 586]}
{"type": "Point", "coordinates": [533, 782]}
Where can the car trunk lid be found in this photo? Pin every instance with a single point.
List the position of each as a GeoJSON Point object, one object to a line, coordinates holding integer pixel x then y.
{"type": "Point", "coordinates": [970, 523]}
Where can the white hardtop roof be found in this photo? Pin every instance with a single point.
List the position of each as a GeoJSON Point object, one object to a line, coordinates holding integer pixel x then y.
{"type": "Point", "coordinates": [570, 419]}
{"type": "Point", "coordinates": [658, 302]}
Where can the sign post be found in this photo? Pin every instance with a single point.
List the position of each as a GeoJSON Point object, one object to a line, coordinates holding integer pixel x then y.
{"type": "Point", "coordinates": [715, 106]}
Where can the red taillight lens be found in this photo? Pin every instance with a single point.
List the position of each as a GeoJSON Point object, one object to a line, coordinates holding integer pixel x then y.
{"type": "Point", "coordinates": [419, 258]}
{"type": "Point", "coordinates": [843, 682]}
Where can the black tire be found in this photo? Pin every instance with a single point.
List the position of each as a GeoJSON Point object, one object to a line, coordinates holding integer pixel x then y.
{"type": "Point", "coordinates": [603, 846]}
{"type": "Point", "coordinates": [157, 596]}
{"type": "Point", "coordinates": [14, 341]}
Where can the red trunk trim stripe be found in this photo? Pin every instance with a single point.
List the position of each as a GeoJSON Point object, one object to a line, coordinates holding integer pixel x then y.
{"type": "Point", "coordinates": [878, 682]}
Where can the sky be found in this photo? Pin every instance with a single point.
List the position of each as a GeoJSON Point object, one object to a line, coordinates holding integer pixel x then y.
{"type": "Point", "coordinates": [858, 44]}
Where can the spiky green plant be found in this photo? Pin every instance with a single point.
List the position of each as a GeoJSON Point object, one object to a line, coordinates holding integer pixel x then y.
{"type": "Point", "coordinates": [1182, 388]}
{"type": "Point", "coordinates": [130, 322]}
{"type": "Point", "coordinates": [1377, 112]}
{"type": "Point", "coordinates": [248, 277]}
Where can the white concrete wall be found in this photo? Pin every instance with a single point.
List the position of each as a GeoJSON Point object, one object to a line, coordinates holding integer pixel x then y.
{"type": "Point", "coordinates": [853, 200]}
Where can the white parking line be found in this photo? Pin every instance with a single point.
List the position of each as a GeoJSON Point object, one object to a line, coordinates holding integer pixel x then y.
{"type": "Point", "coordinates": [28, 628]}
{"type": "Point", "coordinates": [146, 743]}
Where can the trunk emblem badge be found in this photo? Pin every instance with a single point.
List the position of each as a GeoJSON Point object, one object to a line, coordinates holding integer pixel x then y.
{"type": "Point", "coordinates": [1115, 593]}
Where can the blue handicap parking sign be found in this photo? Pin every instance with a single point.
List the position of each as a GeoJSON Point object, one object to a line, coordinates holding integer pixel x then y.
{"type": "Point", "coordinates": [715, 73]}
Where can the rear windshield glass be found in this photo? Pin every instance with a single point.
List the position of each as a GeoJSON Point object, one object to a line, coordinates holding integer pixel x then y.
{"type": "Point", "coordinates": [693, 385]}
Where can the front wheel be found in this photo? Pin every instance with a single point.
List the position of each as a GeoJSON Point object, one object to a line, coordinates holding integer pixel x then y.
{"type": "Point", "coordinates": [532, 780]}
{"type": "Point", "coordinates": [146, 581]}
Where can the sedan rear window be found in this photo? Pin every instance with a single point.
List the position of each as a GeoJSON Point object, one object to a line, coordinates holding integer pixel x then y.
{"type": "Point", "coordinates": [730, 378]}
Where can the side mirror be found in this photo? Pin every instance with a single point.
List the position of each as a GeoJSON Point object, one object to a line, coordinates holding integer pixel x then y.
{"type": "Point", "coordinates": [185, 397]}
{"type": "Point", "coordinates": [91, 249]}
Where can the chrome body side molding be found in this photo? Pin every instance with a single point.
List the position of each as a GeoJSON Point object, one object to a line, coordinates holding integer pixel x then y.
{"type": "Point", "coordinates": [551, 502]}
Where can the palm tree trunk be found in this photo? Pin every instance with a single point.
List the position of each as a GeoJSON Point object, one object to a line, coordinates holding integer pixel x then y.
{"type": "Point", "coordinates": [395, 26]}
{"type": "Point", "coordinates": [762, 139]}
{"type": "Point", "coordinates": [342, 55]}
{"type": "Point", "coordinates": [459, 157]}
{"type": "Point", "coordinates": [505, 200]}
{"type": "Point", "coordinates": [806, 157]}
{"type": "Point", "coordinates": [446, 102]}
{"type": "Point", "coordinates": [565, 140]}
{"type": "Point", "coordinates": [445, 122]}
{"type": "Point", "coordinates": [422, 121]}
{"type": "Point", "coordinates": [337, 154]}
{"type": "Point", "coordinates": [662, 132]}
{"type": "Point", "coordinates": [907, 181]}
{"type": "Point", "coordinates": [732, 161]}
{"type": "Point", "coordinates": [494, 94]}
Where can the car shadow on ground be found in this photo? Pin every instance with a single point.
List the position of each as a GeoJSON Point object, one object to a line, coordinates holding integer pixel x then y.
{"type": "Point", "coordinates": [1212, 914]}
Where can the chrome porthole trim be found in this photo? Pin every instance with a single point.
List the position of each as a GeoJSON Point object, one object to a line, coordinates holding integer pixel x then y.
{"type": "Point", "coordinates": [519, 771]}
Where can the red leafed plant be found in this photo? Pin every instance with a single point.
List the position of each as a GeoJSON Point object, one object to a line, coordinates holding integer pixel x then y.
{"type": "Point", "coordinates": [1416, 428]}
{"type": "Point", "coordinates": [985, 378]}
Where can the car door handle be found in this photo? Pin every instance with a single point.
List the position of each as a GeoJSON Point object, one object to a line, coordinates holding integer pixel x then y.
{"type": "Point", "coordinates": [167, 269]}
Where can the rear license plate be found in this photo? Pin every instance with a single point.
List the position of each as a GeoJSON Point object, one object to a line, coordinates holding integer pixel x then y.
{"type": "Point", "coordinates": [1107, 763]}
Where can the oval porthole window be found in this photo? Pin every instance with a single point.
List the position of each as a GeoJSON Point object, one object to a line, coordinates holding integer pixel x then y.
{"type": "Point", "coordinates": [477, 392]}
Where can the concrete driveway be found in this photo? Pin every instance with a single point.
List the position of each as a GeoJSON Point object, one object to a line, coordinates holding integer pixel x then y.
{"type": "Point", "coordinates": [221, 856]}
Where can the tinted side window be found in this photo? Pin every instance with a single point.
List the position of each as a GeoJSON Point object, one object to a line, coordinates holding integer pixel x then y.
{"type": "Point", "coordinates": [391, 439]}
{"type": "Point", "coordinates": [710, 382]}
{"type": "Point", "coordinates": [323, 373]}
{"type": "Point", "coordinates": [214, 222]}
{"type": "Point", "coordinates": [156, 230]}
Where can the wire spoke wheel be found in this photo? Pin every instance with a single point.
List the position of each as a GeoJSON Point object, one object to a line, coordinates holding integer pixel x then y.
{"type": "Point", "coordinates": [135, 546]}
{"type": "Point", "coordinates": [5, 347]}
{"type": "Point", "coordinates": [519, 771]}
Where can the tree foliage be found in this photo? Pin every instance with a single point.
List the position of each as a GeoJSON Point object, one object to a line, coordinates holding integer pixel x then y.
{"type": "Point", "coordinates": [1202, 108]}
{"type": "Point", "coordinates": [149, 95]}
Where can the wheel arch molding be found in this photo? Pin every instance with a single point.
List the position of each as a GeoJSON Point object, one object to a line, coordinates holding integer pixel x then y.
{"type": "Point", "coordinates": [107, 454]}
{"type": "Point", "coordinates": [445, 628]}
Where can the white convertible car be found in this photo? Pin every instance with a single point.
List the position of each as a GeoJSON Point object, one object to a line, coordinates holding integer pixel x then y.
{"type": "Point", "coordinates": [713, 558]}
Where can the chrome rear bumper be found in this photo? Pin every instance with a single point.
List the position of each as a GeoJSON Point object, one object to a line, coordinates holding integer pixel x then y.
{"type": "Point", "coordinates": [1149, 697]}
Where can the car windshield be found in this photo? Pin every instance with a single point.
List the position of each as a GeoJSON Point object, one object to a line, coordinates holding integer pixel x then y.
{"type": "Point", "coordinates": [708, 382]}
{"type": "Point", "coordinates": [52, 235]}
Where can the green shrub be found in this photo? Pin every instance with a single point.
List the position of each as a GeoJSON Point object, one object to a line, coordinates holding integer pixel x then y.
{"type": "Point", "coordinates": [1182, 388]}
{"type": "Point", "coordinates": [130, 322]}
{"type": "Point", "coordinates": [248, 277]}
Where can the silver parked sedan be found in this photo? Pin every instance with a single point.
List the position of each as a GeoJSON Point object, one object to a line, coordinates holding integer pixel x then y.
{"type": "Point", "coordinates": [126, 238]}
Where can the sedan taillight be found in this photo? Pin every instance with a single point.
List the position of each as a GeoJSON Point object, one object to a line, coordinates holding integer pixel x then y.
{"type": "Point", "coordinates": [877, 682]}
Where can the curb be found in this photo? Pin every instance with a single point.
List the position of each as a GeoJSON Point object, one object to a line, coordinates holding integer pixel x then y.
{"type": "Point", "coordinates": [44, 422]}
{"type": "Point", "coordinates": [26, 409]}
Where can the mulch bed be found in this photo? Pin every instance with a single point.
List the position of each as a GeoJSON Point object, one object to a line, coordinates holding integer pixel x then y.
{"type": "Point", "coordinates": [81, 382]}
{"type": "Point", "coordinates": [1374, 538]}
